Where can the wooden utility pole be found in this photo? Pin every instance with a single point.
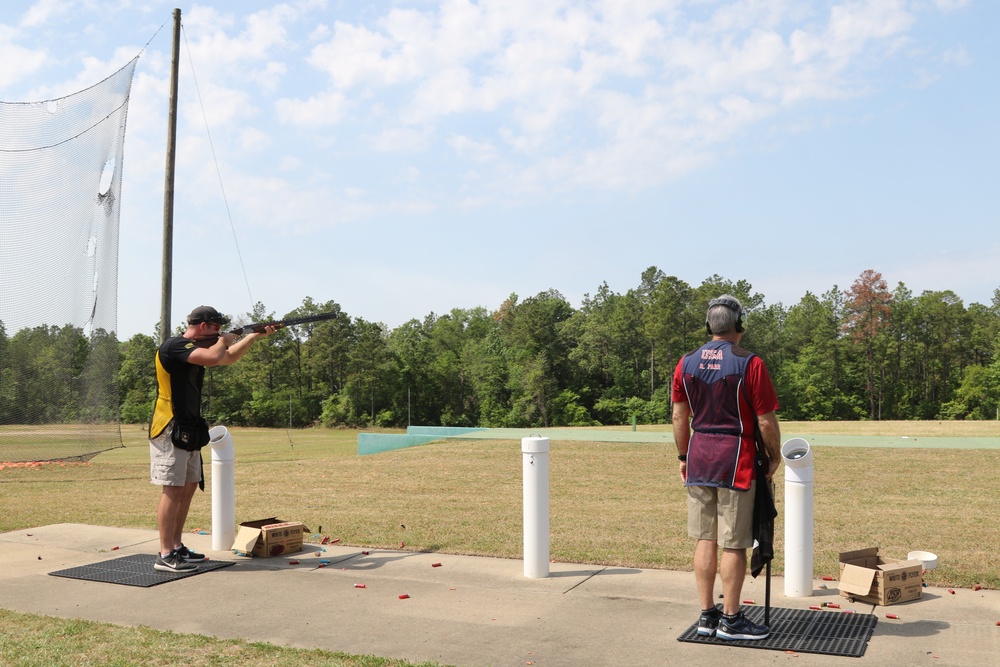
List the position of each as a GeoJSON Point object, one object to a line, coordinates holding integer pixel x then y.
{"type": "Point", "coordinates": [168, 187]}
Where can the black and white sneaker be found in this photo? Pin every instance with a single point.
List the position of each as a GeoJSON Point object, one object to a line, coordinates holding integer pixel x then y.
{"type": "Point", "coordinates": [173, 562]}
{"type": "Point", "coordinates": [709, 621]}
{"type": "Point", "coordinates": [740, 627]}
{"type": "Point", "coordinates": [190, 556]}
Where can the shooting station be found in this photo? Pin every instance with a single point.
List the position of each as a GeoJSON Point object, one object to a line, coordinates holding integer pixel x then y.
{"type": "Point", "coordinates": [468, 546]}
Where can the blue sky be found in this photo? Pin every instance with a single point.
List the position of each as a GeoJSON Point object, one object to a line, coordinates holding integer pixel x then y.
{"type": "Point", "coordinates": [410, 157]}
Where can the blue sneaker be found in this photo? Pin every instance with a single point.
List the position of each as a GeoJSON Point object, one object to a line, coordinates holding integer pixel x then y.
{"type": "Point", "coordinates": [740, 627]}
{"type": "Point", "coordinates": [709, 621]}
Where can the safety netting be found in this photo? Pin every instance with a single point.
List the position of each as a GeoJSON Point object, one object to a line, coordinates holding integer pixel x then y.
{"type": "Point", "coordinates": [60, 190]}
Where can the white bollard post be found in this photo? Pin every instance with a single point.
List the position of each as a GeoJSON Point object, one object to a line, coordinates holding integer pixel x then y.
{"type": "Point", "coordinates": [535, 473]}
{"type": "Point", "coordinates": [223, 489]}
{"type": "Point", "coordinates": [798, 461]}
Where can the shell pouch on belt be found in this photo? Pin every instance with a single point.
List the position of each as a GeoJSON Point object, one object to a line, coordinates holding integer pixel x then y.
{"type": "Point", "coordinates": [190, 435]}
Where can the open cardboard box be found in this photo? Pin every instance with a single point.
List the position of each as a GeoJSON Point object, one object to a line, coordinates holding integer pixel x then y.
{"type": "Point", "coordinates": [867, 577]}
{"type": "Point", "coordinates": [270, 537]}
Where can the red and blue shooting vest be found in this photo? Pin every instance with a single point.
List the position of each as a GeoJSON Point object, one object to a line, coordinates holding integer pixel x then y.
{"type": "Point", "coordinates": [713, 378]}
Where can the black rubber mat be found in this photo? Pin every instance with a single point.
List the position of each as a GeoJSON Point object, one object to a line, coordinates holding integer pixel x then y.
{"type": "Point", "coordinates": [804, 631]}
{"type": "Point", "coordinates": [135, 570]}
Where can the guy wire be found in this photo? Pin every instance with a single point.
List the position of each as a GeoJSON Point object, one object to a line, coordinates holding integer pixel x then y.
{"type": "Point", "coordinates": [225, 199]}
{"type": "Point", "coordinates": [218, 171]}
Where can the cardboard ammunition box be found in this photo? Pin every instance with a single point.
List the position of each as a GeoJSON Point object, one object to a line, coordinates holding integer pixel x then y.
{"type": "Point", "coordinates": [867, 577]}
{"type": "Point", "coordinates": [270, 537]}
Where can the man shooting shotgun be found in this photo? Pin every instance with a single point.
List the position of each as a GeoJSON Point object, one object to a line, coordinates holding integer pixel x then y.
{"type": "Point", "coordinates": [177, 431]}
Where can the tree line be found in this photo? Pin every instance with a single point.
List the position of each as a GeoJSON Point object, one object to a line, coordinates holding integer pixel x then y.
{"type": "Point", "coordinates": [866, 352]}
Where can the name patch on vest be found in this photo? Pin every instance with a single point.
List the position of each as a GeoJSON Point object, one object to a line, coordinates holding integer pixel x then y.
{"type": "Point", "coordinates": [709, 360]}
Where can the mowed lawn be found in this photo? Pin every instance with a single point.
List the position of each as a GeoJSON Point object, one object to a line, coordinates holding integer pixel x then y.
{"type": "Point", "coordinates": [619, 504]}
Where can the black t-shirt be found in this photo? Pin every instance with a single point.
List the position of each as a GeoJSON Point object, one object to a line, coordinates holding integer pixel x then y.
{"type": "Point", "coordinates": [178, 384]}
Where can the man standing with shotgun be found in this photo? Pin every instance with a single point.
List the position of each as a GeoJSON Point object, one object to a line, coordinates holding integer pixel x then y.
{"type": "Point", "coordinates": [723, 396]}
{"type": "Point", "coordinates": [177, 431]}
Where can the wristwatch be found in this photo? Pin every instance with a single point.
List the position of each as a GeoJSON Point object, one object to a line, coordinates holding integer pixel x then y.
{"type": "Point", "coordinates": [682, 457]}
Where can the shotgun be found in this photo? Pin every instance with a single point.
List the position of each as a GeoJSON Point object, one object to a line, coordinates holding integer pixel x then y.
{"type": "Point", "coordinates": [280, 324]}
{"type": "Point", "coordinates": [258, 327]}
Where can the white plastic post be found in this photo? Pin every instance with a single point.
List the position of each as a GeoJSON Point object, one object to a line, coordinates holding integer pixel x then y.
{"type": "Point", "coordinates": [798, 461]}
{"type": "Point", "coordinates": [223, 489]}
{"type": "Point", "coordinates": [535, 473]}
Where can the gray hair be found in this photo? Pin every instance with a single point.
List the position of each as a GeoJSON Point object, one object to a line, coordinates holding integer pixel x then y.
{"type": "Point", "coordinates": [724, 315]}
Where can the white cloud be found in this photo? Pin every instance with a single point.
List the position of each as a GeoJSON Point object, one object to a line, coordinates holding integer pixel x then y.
{"type": "Point", "coordinates": [254, 140]}
{"type": "Point", "coordinates": [219, 106]}
{"type": "Point", "coordinates": [319, 33]}
{"type": "Point", "coordinates": [933, 67]}
{"type": "Point", "coordinates": [293, 208]}
{"type": "Point", "coordinates": [522, 97]}
{"type": "Point", "coordinates": [323, 109]}
{"type": "Point", "coordinates": [661, 78]}
{"type": "Point", "coordinates": [958, 56]}
{"type": "Point", "coordinates": [515, 99]}
{"type": "Point", "coordinates": [43, 11]}
{"type": "Point", "coordinates": [270, 77]}
{"type": "Point", "coordinates": [289, 163]}
{"type": "Point", "coordinates": [854, 25]}
{"type": "Point", "coordinates": [951, 5]}
{"type": "Point", "coordinates": [477, 151]}
{"type": "Point", "coordinates": [17, 63]}
{"type": "Point", "coordinates": [226, 48]}
{"type": "Point", "coordinates": [352, 55]}
{"type": "Point", "coordinates": [401, 139]}
{"type": "Point", "coordinates": [443, 93]}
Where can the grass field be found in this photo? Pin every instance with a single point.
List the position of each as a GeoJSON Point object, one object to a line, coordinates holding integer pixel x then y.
{"type": "Point", "coordinates": [29, 640]}
{"type": "Point", "coordinates": [616, 504]}
{"type": "Point", "coordinates": [611, 503]}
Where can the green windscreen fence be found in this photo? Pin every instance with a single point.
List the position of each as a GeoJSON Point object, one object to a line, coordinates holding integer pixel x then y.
{"type": "Point", "coordinates": [375, 443]}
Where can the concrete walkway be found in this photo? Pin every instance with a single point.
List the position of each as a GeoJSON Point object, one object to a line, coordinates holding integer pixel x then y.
{"type": "Point", "coordinates": [467, 611]}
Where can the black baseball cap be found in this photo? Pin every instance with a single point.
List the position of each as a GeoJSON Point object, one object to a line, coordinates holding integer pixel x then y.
{"type": "Point", "coordinates": [207, 314]}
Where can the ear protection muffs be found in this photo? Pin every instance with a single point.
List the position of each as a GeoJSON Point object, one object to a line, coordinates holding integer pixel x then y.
{"type": "Point", "coordinates": [731, 304]}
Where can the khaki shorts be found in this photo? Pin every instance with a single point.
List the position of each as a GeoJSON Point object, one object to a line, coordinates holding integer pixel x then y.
{"type": "Point", "coordinates": [171, 466]}
{"type": "Point", "coordinates": [721, 515]}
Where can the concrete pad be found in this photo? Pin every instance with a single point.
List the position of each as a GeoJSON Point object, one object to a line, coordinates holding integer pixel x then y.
{"type": "Point", "coordinates": [469, 611]}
